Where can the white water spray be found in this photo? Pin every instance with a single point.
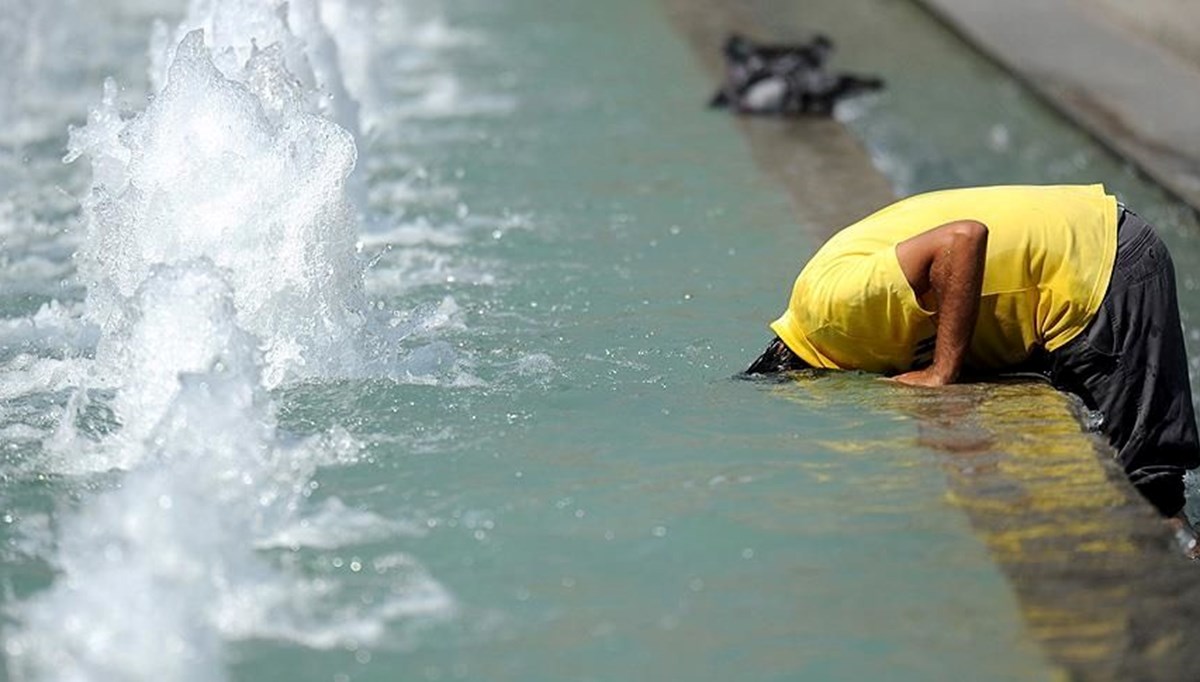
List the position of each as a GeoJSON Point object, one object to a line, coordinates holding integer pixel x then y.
{"type": "Point", "coordinates": [156, 575]}
{"type": "Point", "coordinates": [235, 30]}
{"type": "Point", "coordinates": [244, 176]}
{"type": "Point", "coordinates": [219, 259]}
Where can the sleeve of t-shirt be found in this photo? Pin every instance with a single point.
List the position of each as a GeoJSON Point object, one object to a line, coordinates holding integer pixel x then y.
{"type": "Point", "coordinates": [871, 314]}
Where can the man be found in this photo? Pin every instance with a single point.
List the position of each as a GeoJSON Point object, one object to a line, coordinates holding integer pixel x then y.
{"type": "Point", "coordinates": [1058, 279]}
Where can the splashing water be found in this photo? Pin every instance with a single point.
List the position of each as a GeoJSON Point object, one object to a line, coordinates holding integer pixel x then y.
{"type": "Point", "coordinates": [208, 170]}
{"type": "Point", "coordinates": [234, 30]}
{"type": "Point", "coordinates": [157, 574]}
{"type": "Point", "coordinates": [219, 259]}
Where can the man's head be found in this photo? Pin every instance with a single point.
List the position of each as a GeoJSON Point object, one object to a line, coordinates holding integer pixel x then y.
{"type": "Point", "coordinates": [776, 358]}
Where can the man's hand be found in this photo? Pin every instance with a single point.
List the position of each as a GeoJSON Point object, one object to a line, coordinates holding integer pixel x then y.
{"type": "Point", "coordinates": [923, 377]}
{"type": "Point", "coordinates": [947, 260]}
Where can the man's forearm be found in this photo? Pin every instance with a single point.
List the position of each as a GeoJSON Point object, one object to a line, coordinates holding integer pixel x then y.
{"type": "Point", "coordinates": [956, 277]}
{"type": "Point", "coordinates": [949, 262]}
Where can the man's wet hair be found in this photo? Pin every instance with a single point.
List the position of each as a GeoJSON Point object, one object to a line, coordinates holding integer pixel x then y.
{"type": "Point", "coordinates": [776, 358]}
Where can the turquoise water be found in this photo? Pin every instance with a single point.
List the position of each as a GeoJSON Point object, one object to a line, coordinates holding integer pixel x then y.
{"type": "Point", "coordinates": [550, 473]}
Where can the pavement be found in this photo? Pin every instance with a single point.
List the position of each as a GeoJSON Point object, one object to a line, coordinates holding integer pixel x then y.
{"type": "Point", "coordinates": [1127, 72]}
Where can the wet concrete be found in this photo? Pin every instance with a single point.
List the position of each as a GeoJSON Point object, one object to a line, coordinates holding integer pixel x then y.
{"type": "Point", "coordinates": [1100, 581]}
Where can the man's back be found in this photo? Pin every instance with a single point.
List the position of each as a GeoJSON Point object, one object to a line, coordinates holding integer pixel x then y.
{"type": "Point", "coordinates": [1050, 253]}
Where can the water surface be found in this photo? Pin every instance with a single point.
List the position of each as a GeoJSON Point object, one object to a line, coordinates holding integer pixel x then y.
{"type": "Point", "coordinates": [549, 473]}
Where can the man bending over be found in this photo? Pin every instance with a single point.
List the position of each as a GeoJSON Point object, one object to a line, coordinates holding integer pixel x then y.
{"type": "Point", "coordinates": [1058, 279]}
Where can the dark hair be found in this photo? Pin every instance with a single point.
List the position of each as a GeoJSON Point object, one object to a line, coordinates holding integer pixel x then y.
{"type": "Point", "coordinates": [776, 358]}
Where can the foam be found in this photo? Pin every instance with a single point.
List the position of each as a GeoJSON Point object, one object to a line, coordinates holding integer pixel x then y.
{"type": "Point", "coordinates": [54, 330]}
{"type": "Point", "coordinates": [350, 24]}
{"type": "Point", "coordinates": [208, 171]}
{"type": "Point", "coordinates": [416, 232]}
{"type": "Point", "coordinates": [218, 252]}
{"type": "Point", "coordinates": [27, 374]}
{"type": "Point", "coordinates": [443, 96]}
{"type": "Point", "coordinates": [158, 574]}
{"type": "Point", "coordinates": [235, 30]}
{"type": "Point", "coordinates": [334, 525]}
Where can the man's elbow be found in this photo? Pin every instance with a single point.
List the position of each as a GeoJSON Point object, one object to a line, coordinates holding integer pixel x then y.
{"type": "Point", "coordinates": [968, 237]}
{"type": "Point", "coordinates": [970, 231]}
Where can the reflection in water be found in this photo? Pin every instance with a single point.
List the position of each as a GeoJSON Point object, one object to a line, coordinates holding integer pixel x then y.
{"type": "Point", "coordinates": [1100, 582]}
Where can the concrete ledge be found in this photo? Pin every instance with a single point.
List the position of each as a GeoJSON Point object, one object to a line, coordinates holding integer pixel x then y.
{"type": "Point", "coordinates": [1139, 98]}
{"type": "Point", "coordinates": [1099, 582]}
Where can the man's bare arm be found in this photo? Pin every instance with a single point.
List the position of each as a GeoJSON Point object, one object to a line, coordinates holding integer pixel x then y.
{"type": "Point", "coordinates": [949, 261]}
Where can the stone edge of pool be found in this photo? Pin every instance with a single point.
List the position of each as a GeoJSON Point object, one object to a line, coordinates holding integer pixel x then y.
{"type": "Point", "coordinates": [1126, 80]}
{"type": "Point", "coordinates": [1099, 584]}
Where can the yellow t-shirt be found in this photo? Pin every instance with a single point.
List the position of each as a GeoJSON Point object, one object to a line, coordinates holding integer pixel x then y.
{"type": "Point", "coordinates": [1050, 255]}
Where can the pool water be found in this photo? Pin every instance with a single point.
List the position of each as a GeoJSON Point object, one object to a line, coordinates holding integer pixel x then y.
{"type": "Point", "coordinates": [470, 412]}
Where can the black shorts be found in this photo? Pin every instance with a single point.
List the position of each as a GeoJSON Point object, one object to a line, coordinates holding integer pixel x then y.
{"type": "Point", "coordinates": [1131, 366]}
